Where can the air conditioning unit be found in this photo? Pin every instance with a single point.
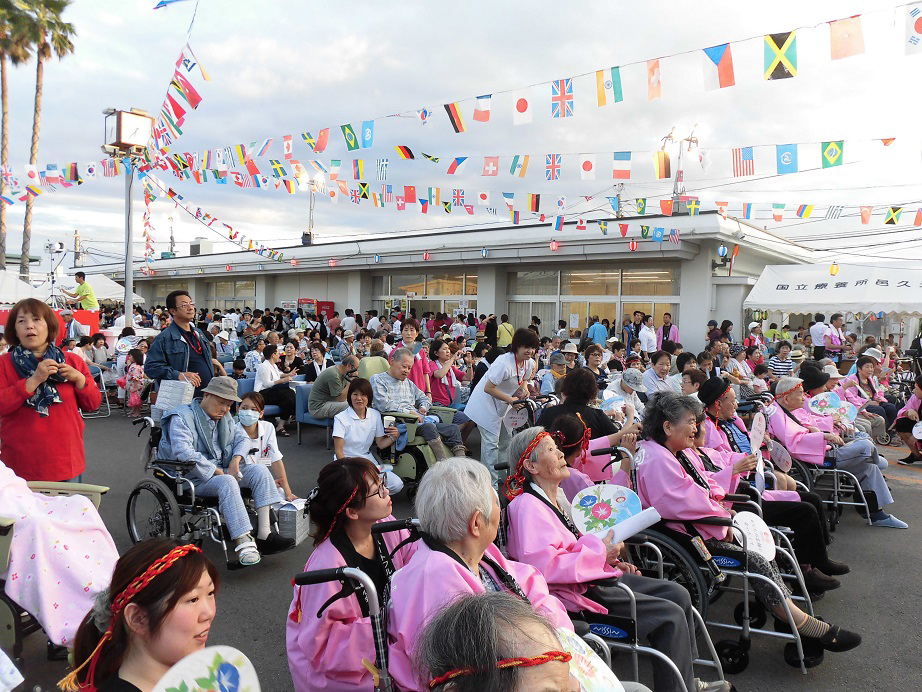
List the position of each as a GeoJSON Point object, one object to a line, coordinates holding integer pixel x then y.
{"type": "Point", "coordinates": [201, 246]}
{"type": "Point", "coordinates": [168, 255]}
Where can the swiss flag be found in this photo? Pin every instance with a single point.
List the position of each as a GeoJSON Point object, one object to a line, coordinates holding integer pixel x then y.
{"type": "Point", "coordinates": [490, 165]}
{"type": "Point", "coordinates": [522, 107]}
{"type": "Point", "coordinates": [587, 166]}
{"type": "Point", "coordinates": [401, 203]}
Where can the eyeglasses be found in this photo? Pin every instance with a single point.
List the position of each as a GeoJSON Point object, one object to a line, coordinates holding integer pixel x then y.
{"type": "Point", "coordinates": [382, 490]}
{"type": "Point", "coordinates": [185, 305]}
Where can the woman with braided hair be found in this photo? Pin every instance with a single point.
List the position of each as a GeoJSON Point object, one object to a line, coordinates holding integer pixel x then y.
{"type": "Point", "coordinates": [328, 630]}
{"type": "Point", "coordinates": [158, 609]}
{"type": "Point", "coordinates": [583, 571]}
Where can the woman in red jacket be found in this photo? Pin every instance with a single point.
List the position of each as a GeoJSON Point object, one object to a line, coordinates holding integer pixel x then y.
{"type": "Point", "coordinates": [41, 388]}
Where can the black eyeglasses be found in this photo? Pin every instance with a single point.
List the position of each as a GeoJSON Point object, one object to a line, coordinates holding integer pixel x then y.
{"type": "Point", "coordinates": [382, 490]}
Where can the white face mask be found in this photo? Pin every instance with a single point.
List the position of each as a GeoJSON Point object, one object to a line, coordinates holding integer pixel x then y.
{"type": "Point", "coordinates": [247, 417]}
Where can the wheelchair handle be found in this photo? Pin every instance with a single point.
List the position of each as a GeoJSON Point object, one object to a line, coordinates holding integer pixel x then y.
{"type": "Point", "coordinates": [714, 521]}
{"type": "Point", "coordinates": [501, 466]}
{"type": "Point", "coordinates": [319, 576]}
{"type": "Point", "coordinates": [603, 451]}
{"type": "Point", "coordinates": [397, 525]}
{"type": "Point", "coordinates": [737, 498]}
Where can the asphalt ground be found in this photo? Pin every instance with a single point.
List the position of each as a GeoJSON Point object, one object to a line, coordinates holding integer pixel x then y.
{"type": "Point", "coordinates": [880, 598]}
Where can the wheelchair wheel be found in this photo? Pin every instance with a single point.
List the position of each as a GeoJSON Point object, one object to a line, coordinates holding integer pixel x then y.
{"type": "Point", "coordinates": [152, 512]}
{"type": "Point", "coordinates": [757, 615]}
{"type": "Point", "coordinates": [884, 439]}
{"type": "Point", "coordinates": [801, 472]}
{"type": "Point", "coordinates": [733, 656]}
{"type": "Point", "coordinates": [678, 566]}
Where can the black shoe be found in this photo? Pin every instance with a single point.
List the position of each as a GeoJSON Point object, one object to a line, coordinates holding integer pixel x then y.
{"type": "Point", "coordinates": [834, 569]}
{"type": "Point", "coordinates": [817, 581]}
{"type": "Point", "coordinates": [838, 639]}
{"type": "Point", "coordinates": [274, 543]}
{"type": "Point", "coordinates": [907, 461]}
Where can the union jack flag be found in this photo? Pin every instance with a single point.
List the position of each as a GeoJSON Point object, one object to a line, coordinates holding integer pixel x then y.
{"type": "Point", "coordinates": [354, 196]}
{"type": "Point", "coordinates": [457, 198]}
{"type": "Point", "coordinates": [743, 163]}
{"type": "Point", "coordinates": [562, 98]}
{"type": "Point", "coordinates": [552, 166]}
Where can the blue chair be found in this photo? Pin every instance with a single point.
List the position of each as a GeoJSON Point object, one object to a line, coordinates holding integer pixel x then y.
{"type": "Point", "coordinates": [303, 415]}
{"type": "Point", "coordinates": [246, 386]}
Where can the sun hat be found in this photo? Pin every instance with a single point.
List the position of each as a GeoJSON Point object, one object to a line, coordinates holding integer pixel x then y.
{"type": "Point", "coordinates": [569, 348]}
{"type": "Point", "coordinates": [558, 359]}
{"type": "Point", "coordinates": [633, 378]}
{"type": "Point", "coordinates": [348, 333]}
{"type": "Point", "coordinates": [223, 335]}
{"type": "Point", "coordinates": [787, 384]}
{"type": "Point", "coordinates": [797, 353]}
{"type": "Point", "coordinates": [67, 313]}
{"type": "Point", "coordinates": [292, 333]}
{"type": "Point", "coordinates": [735, 350]}
{"type": "Point", "coordinates": [874, 353]}
{"type": "Point", "coordinates": [833, 372]}
{"type": "Point", "coordinates": [712, 389]}
{"type": "Point", "coordinates": [611, 339]}
{"type": "Point", "coordinates": [223, 387]}
{"type": "Point", "coordinates": [813, 378]}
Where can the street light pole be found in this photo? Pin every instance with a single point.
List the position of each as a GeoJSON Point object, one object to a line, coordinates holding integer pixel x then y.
{"type": "Point", "coordinates": [129, 255]}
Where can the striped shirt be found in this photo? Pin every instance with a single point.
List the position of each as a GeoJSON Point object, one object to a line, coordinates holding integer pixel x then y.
{"type": "Point", "coordinates": [780, 368]}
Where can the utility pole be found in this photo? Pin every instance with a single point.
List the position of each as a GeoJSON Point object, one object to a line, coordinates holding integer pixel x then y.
{"type": "Point", "coordinates": [78, 254]}
{"type": "Point", "coordinates": [172, 239]}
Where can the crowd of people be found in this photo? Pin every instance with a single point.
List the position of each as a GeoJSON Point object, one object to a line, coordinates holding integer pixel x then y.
{"type": "Point", "coordinates": [457, 600]}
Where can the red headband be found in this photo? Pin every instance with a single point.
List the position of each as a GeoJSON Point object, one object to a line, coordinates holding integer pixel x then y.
{"type": "Point", "coordinates": [158, 567]}
{"type": "Point", "coordinates": [515, 482]}
{"type": "Point", "coordinates": [521, 662]}
{"type": "Point", "coordinates": [340, 511]}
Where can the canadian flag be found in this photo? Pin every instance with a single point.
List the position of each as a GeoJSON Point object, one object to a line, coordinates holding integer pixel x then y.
{"type": "Point", "coordinates": [581, 225]}
{"type": "Point", "coordinates": [522, 107]}
{"type": "Point", "coordinates": [587, 166]}
{"type": "Point", "coordinates": [286, 143]}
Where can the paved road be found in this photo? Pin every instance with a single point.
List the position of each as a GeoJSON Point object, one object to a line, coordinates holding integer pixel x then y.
{"type": "Point", "coordinates": [880, 598]}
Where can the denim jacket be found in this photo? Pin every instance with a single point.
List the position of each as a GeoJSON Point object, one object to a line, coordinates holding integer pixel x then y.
{"type": "Point", "coordinates": [169, 354]}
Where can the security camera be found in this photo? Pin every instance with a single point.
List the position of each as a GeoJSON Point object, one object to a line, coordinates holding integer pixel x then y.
{"type": "Point", "coordinates": [108, 111]}
{"type": "Point", "coordinates": [739, 235]}
{"type": "Point", "coordinates": [109, 149]}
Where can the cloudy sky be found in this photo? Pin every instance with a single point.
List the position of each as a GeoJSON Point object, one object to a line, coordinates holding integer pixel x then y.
{"type": "Point", "coordinates": [289, 66]}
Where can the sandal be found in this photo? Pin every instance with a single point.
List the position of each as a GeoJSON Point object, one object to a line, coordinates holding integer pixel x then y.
{"type": "Point", "coordinates": [282, 432]}
{"type": "Point", "coordinates": [247, 554]}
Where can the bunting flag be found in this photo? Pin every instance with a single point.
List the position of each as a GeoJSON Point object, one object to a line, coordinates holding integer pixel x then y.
{"type": "Point", "coordinates": [603, 227]}
{"type": "Point", "coordinates": [368, 134]}
{"type": "Point", "coordinates": [832, 153]}
{"type": "Point", "coordinates": [722, 209]}
{"type": "Point", "coordinates": [804, 211]}
{"type": "Point", "coordinates": [381, 170]}
{"type": "Point", "coordinates": [665, 206]}
{"type": "Point", "coordinates": [335, 165]}
{"type": "Point", "coordinates": [641, 203]}
{"type": "Point", "coordinates": [558, 223]}
{"type": "Point", "coordinates": [918, 220]}
{"type": "Point", "coordinates": [482, 109]}
{"type": "Point", "coordinates": [447, 207]}
{"type": "Point", "coordinates": [319, 144]}
{"type": "Point", "coordinates": [469, 208]}
{"type": "Point", "coordinates": [913, 30]}
{"type": "Point", "coordinates": [401, 203]}
{"type": "Point", "coordinates": [786, 158]}
{"type": "Point", "coordinates": [534, 201]}
{"type": "Point", "coordinates": [615, 203]}
{"type": "Point", "coordinates": [490, 166]}
{"type": "Point", "coordinates": [429, 157]}
{"type": "Point", "coordinates": [743, 162]}
{"type": "Point", "coordinates": [621, 167]}
{"type": "Point", "coordinates": [781, 55]}
{"type": "Point", "coordinates": [659, 234]}
{"type": "Point", "coordinates": [454, 117]}
{"type": "Point", "coordinates": [654, 82]}
{"type": "Point", "coordinates": [608, 86]}
{"type": "Point", "coordinates": [404, 152]}
{"type": "Point", "coordinates": [409, 193]}
{"type": "Point", "coordinates": [483, 198]}
{"type": "Point", "coordinates": [562, 98]}
{"type": "Point", "coordinates": [519, 165]}
{"type": "Point", "coordinates": [644, 232]}
{"type": "Point", "coordinates": [892, 217]}
{"type": "Point", "coordinates": [581, 225]}
{"type": "Point", "coordinates": [866, 214]}
{"type": "Point", "coordinates": [358, 169]}
{"type": "Point", "coordinates": [363, 190]}
{"type": "Point", "coordinates": [718, 67]}
{"type": "Point", "coordinates": [693, 205]}
{"type": "Point", "coordinates": [352, 142]}
{"type": "Point", "coordinates": [623, 228]}
{"type": "Point", "coordinates": [674, 236]}
{"type": "Point", "coordinates": [888, 141]}
{"type": "Point", "coordinates": [457, 197]}
{"type": "Point", "coordinates": [834, 212]}
{"type": "Point", "coordinates": [846, 38]}
{"type": "Point", "coordinates": [509, 199]}
{"type": "Point", "coordinates": [456, 165]}
{"type": "Point", "coordinates": [747, 210]}
{"type": "Point", "coordinates": [561, 203]}
{"type": "Point", "coordinates": [522, 110]}
{"type": "Point", "coordinates": [263, 148]}
{"type": "Point", "coordinates": [587, 166]}
{"type": "Point", "coordinates": [514, 215]}
{"type": "Point", "coordinates": [287, 147]}
{"type": "Point", "coordinates": [435, 195]}
{"type": "Point", "coordinates": [278, 170]}
{"type": "Point", "coordinates": [552, 166]}
{"type": "Point", "coordinates": [423, 205]}
{"type": "Point", "coordinates": [661, 165]}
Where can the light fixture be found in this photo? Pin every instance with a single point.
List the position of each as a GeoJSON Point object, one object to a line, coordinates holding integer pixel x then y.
{"type": "Point", "coordinates": [834, 269]}
{"type": "Point", "coordinates": [633, 245]}
{"type": "Point", "coordinates": [723, 261]}
{"type": "Point", "coordinates": [722, 250]}
{"type": "Point", "coordinates": [484, 252]}
{"type": "Point", "coordinates": [554, 245]}
{"type": "Point", "coordinates": [332, 262]}
{"type": "Point", "coordinates": [426, 256]}
{"type": "Point", "coordinates": [201, 270]}
{"type": "Point", "coordinates": [259, 267]}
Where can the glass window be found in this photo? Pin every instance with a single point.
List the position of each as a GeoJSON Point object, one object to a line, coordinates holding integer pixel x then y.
{"type": "Point", "coordinates": [245, 289]}
{"type": "Point", "coordinates": [660, 309]}
{"type": "Point", "coordinates": [536, 283]}
{"type": "Point", "coordinates": [578, 308]}
{"type": "Point", "coordinates": [401, 284]}
{"type": "Point", "coordinates": [628, 309]}
{"type": "Point", "coordinates": [453, 305]}
{"type": "Point", "coordinates": [224, 289]}
{"type": "Point", "coordinates": [654, 281]}
{"type": "Point", "coordinates": [470, 284]}
{"type": "Point", "coordinates": [519, 313]}
{"type": "Point", "coordinates": [605, 311]}
{"type": "Point", "coordinates": [589, 282]}
{"type": "Point", "coordinates": [444, 284]}
{"type": "Point", "coordinates": [380, 286]}
{"type": "Point", "coordinates": [547, 313]}
{"type": "Point", "coordinates": [164, 288]}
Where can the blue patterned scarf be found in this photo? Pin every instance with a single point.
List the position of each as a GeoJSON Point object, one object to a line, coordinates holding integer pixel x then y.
{"type": "Point", "coordinates": [25, 363]}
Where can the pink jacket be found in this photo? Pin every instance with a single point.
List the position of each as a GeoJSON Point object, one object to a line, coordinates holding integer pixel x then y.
{"type": "Point", "coordinates": [538, 538]}
{"type": "Point", "coordinates": [419, 373]}
{"type": "Point", "coordinates": [808, 418]}
{"type": "Point", "coordinates": [576, 481]}
{"type": "Point", "coordinates": [914, 404]}
{"type": "Point", "coordinates": [592, 466]}
{"type": "Point", "coordinates": [673, 335]}
{"type": "Point", "coordinates": [663, 483]}
{"type": "Point", "coordinates": [326, 652]}
{"type": "Point", "coordinates": [806, 446]}
{"type": "Point", "coordinates": [717, 438]}
{"type": "Point", "coordinates": [857, 397]}
{"type": "Point", "coordinates": [433, 579]}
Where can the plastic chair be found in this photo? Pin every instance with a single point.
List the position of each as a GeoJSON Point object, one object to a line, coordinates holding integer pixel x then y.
{"type": "Point", "coordinates": [303, 415]}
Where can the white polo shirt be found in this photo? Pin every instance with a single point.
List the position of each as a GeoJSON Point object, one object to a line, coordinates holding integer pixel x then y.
{"type": "Point", "coordinates": [358, 435]}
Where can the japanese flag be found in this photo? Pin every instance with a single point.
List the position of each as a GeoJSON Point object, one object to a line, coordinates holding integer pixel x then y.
{"type": "Point", "coordinates": [334, 195]}
{"type": "Point", "coordinates": [31, 173]}
{"type": "Point", "coordinates": [587, 166]}
{"type": "Point", "coordinates": [522, 107]}
{"type": "Point", "coordinates": [286, 143]}
{"type": "Point", "coordinates": [483, 198]}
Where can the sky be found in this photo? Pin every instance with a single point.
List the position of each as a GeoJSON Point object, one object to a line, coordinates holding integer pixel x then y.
{"type": "Point", "coordinates": [290, 66]}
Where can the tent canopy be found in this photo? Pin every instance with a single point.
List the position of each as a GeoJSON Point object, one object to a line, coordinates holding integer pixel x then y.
{"type": "Point", "coordinates": [794, 288]}
{"type": "Point", "coordinates": [12, 290]}
{"type": "Point", "coordinates": [104, 288]}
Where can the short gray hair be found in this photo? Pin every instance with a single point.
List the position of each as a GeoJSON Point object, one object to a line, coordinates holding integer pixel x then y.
{"type": "Point", "coordinates": [401, 353]}
{"type": "Point", "coordinates": [476, 631]}
{"type": "Point", "coordinates": [449, 494]}
{"type": "Point", "coordinates": [667, 406]}
{"type": "Point", "coordinates": [519, 443]}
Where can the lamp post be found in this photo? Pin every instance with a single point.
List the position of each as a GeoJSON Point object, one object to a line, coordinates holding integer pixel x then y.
{"type": "Point", "coordinates": [127, 134]}
{"type": "Point", "coordinates": [317, 182]}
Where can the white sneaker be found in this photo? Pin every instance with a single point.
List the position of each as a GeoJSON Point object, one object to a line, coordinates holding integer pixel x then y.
{"type": "Point", "coordinates": [716, 686]}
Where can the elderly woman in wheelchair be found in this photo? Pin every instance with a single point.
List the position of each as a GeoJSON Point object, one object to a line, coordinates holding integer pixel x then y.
{"type": "Point", "coordinates": [670, 479]}
{"type": "Point", "coordinates": [205, 434]}
{"type": "Point", "coordinates": [584, 571]}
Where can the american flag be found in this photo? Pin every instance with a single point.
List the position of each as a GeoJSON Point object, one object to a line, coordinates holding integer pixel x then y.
{"type": "Point", "coordinates": [834, 212]}
{"type": "Point", "coordinates": [674, 237]}
{"type": "Point", "coordinates": [743, 163]}
{"type": "Point", "coordinates": [387, 194]}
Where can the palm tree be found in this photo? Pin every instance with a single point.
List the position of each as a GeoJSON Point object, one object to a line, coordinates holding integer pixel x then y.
{"type": "Point", "coordinates": [13, 46]}
{"type": "Point", "coordinates": [48, 34]}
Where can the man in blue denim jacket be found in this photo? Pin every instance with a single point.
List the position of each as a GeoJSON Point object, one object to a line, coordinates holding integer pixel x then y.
{"type": "Point", "coordinates": [181, 351]}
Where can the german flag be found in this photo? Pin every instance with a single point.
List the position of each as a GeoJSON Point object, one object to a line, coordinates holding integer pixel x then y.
{"type": "Point", "coordinates": [404, 152]}
{"type": "Point", "coordinates": [454, 115]}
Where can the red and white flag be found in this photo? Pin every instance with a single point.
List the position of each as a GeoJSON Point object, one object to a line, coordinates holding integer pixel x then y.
{"type": "Point", "coordinates": [482, 109]}
{"type": "Point", "coordinates": [581, 225]}
{"type": "Point", "coordinates": [587, 166]}
{"type": "Point", "coordinates": [522, 107]}
{"type": "Point", "coordinates": [483, 198]}
{"type": "Point", "coordinates": [490, 165]}
{"type": "Point", "coordinates": [286, 146]}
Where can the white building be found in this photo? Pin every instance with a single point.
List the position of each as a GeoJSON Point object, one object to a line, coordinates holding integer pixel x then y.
{"type": "Point", "coordinates": [508, 270]}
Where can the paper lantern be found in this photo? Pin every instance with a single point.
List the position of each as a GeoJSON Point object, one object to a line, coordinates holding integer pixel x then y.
{"type": "Point", "coordinates": [426, 256]}
{"type": "Point", "coordinates": [880, 315]}
{"type": "Point", "coordinates": [377, 258]}
{"type": "Point", "coordinates": [722, 250]}
{"type": "Point", "coordinates": [294, 263]}
{"type": "Point", "coordinates": [484, 252]}
{"type": "Point", "coordinates": [228, 268]}
{"type": "Point", "coordinates": [331, 263]}
{"type": "Point", "coordinates": [554, 245]}
{"type": "Point", "coordinates": [633, 245]}
{"type": "Point", "coordinates": [833, 269]}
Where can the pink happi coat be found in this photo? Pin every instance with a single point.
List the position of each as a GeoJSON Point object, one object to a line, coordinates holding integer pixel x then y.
{"type": "Point", "coordinates": [537, 536]}
{"type": "Point", "coordinates": [60, 558]}
{"type": "Point", "coordinates": [662, 483]}
{"type": "Point", "coordinates": [809, 447]}
{"type": "Point", "coordinates": [326, 652]}
{"type": "Point", "coordinates": [433, 579]}
{"type": "Point", "coordinates": [857, 396]}
{"type": "Point", "coordinates": [576, 481]}
{"type": "Point", "coordinates": [809, 418]}
{"type": "Point", "coordinates": [592, 466]}
{"type": "Point", "coordinates": [914, 404]}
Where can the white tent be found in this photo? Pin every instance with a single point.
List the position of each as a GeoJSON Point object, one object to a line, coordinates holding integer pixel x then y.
{"type": "Point", "coordinates": [104, 288]}
{"type": "Point", "coordinates": [12, 290]}
{"type": "Point", "coordinates": [804, 288]}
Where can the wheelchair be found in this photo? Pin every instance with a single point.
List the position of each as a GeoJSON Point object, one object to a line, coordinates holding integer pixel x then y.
{"type": "Point", "coordinates": [167, 506]}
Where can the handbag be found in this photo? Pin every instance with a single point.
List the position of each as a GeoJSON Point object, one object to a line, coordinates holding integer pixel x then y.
{"type": "Point", "coordinates": [134, 400]}
{"type": "Point", "coordinates": [121, 382]}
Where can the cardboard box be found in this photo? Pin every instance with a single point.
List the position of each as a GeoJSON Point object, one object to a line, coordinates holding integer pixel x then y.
{"type": "Point", "coordinates": [293, 522]}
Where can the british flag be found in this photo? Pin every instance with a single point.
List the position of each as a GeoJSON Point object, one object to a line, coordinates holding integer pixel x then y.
{"type": "Point", "coordinates": [743, 163]}
{"type": "Point", "coordinates": [457, 197]}
{"type": "Point", "coordinates": [562, 98]}
{"type": "Point", "coordinates": [354, 195]}
{"type": "Point", "coordinates": [552, 166]}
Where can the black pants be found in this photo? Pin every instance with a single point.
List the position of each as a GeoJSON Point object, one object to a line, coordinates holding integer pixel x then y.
{"type": "Point", "coordinates": [282, 396]}
{"type": "Point", "coordinates": [819, 352]}
{"type": "Point", "coordinates": [801, 517]}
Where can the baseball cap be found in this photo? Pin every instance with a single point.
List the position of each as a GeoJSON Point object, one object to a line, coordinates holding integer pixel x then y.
{"type": "Point", "coordinates": [633, 378]}
{"type": "Point", "coordinates": [558, 359]}
{"type": "Point", "coordinates": [753, 325]}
